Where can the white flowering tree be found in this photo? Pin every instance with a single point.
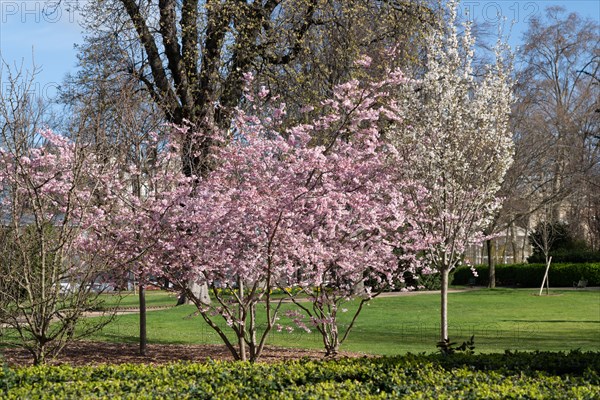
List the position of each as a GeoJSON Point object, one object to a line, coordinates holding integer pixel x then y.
{"type": "Point", "coordinates": [456, 137]}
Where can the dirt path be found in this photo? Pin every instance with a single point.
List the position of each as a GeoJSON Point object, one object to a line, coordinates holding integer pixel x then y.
{"type": "Point", "coordinates": [93, 353]}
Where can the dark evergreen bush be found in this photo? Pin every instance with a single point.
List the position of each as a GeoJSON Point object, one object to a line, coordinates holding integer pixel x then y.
{"type": "Point", "coordinates": [531, 275]}
{"type": "Point", "coordinates": [567, 256]}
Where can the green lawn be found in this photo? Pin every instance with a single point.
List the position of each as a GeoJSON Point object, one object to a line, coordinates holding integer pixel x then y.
{"type": "Point", "coordinates": [500, 319]}
{"type": "Point", "coordinates": [154, 298]}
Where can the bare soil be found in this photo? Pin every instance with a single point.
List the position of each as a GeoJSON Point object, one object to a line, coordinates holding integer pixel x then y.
{"type": "Point", "coordinates": [94, 353]}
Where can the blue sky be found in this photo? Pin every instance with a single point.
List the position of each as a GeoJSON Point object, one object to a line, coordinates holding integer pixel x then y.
{"type": "Point", "coordinates": [36, 30]}
{"type": "Point", "coordinates": [33, 28]}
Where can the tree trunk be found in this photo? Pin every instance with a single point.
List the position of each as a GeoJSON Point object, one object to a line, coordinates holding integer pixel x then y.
{"type": "Point", "coordinates": [524, 248]}
{"type": "Point", "coordinates": [513, 243]}
{"type": "Point", "coordinates": [143, 336]}
{"type": "Point", "coordinates": [444, 305]}
{"type": "Point", "coordinates": [332, 351]}
{"type": "Point", "coordinates": [331, 339]}
{"type": "Point", "coordinates": [199, 291]}
{"type": "Point", "coordinates": [39, 356]}
{"type": "Point", "coordinates": [491, 263]}
{"type": "Point", "coordinates": [242, 329]}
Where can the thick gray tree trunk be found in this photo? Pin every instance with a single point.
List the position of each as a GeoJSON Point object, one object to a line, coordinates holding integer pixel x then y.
{"type": "Point", "coordinates": [199, 291]}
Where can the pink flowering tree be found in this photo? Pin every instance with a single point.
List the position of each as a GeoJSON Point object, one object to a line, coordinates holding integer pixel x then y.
{"type": "Point", "coordinates": [49, 186]}
{"type": "Point", "coordinates": [315, 207]}
{"type": "Point", "coordinates": [276, 213]}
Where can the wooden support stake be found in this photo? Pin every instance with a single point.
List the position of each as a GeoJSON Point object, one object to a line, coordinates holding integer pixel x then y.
{"type": "Point", "coordinates": [546, 278]}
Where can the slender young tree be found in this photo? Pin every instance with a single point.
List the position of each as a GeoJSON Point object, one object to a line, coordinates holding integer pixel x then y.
{"type": "Point", "coordinates": [48, 186]}
{"type": "Point", "coordinates": [47, 284]}
{"type": "Point", "coordinates": [457, 139]}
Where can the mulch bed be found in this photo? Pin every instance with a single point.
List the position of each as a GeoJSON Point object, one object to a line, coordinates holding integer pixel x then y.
{"type": "Point", "coordinates": [93, 353]}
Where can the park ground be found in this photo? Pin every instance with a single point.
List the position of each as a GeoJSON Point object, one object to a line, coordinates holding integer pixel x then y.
{"type": "Point", "coordinates": [395, 323]}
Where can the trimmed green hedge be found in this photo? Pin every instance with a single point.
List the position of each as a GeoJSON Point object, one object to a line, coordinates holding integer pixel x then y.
{"type": "Point", "coordinates": [492, 376]}
{"type": "Point", "coordinates": [531, 275]}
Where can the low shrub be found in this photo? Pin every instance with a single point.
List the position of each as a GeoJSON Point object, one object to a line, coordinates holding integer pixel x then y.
{"type": "Point", "coordinates": [531, 275]}
{"type": "Point", "coordinates": [511, 375]}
